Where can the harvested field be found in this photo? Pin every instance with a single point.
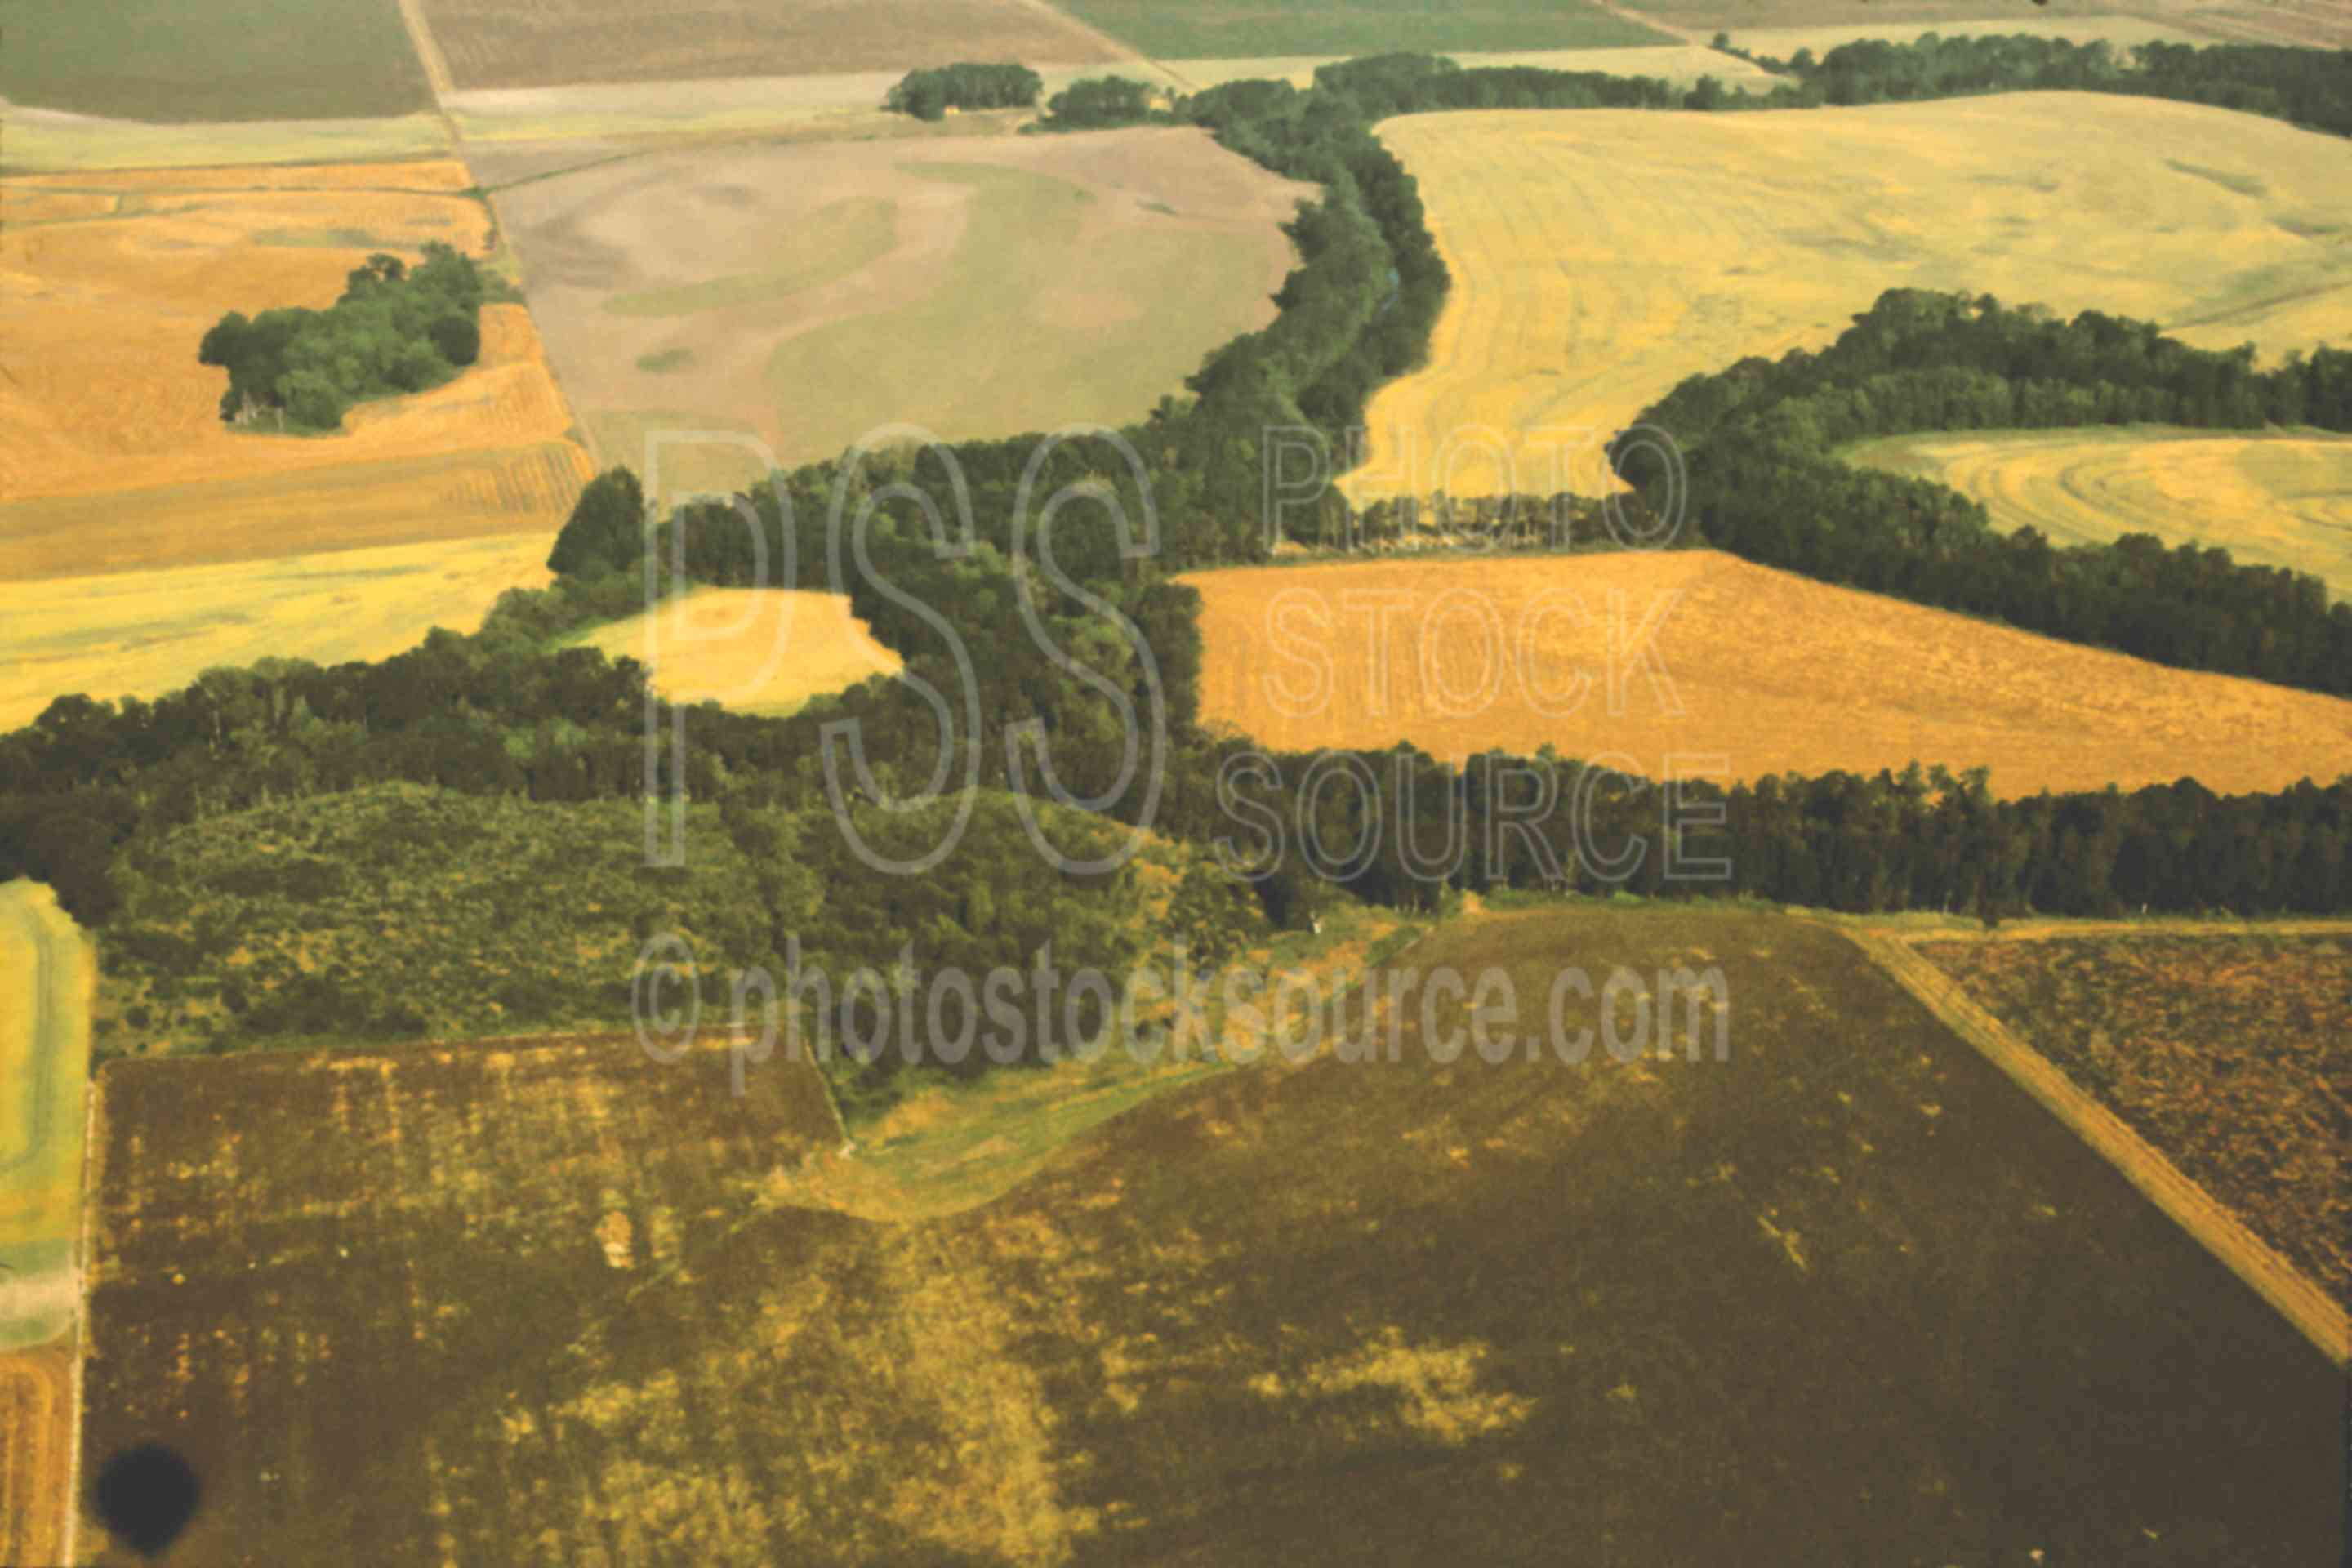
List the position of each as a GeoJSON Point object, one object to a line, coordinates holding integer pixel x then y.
{"type": "Point", "coordinates": [495, 44]}
{"type": "Point", "coordinates": [759, 650]}
{"type": "Point", "coordinates": [590, 1317]}
{"type": "Point", "coordinates": [45, 1035]}
{"type": "Point", "coordinates": [358, 507]}
{"type": "Point", "coordinates": [108, 311]}
{"type": "Point", "coordinates": [1600, 257]}
{"type": "Point", "coordinates": [2274, 500]}
{"type": "Point", "coordinates": [114, 460]}
{"type": "Point", "coordinates": [985, 287]}
{"type": "Point", "coordinates": [40, 138]}
{"type": "Point", "coordinates": [141, 634]}
{"type": "Point", "coordinates": [1215, 29]}
{"type": "Point", "coordinates": [36, 1429]}
{"type": "Point", "coordinates": [220, 60]}
{"type": "Point", "coordinates": [1767, 670]}
{"type": "Point", "coordinates": [2232, 1054]}
{"type": "Point", "coordinates": [1911, 17]}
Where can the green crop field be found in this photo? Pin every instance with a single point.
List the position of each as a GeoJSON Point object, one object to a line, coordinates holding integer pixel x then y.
{"type": "Point", "coordinates": [1844, 1294]}
{"type": "Point", "coordinates": [1225, 29]}
{"type": "Point", "coordinates": [214, 60]}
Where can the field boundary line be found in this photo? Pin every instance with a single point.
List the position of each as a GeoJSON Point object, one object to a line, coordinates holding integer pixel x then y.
{"type": "Point", "coordinates": [428, 55]}
{"type": "Point", "coordinates": [1112, 41]}
{"type": "Point", "coordinates": [2293, 1294]}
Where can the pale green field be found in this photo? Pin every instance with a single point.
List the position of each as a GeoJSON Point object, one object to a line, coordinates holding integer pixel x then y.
{"type": "Point", "coordinates": [46, 971]}
{"type": "Point", "coordinates": [830, 243]}
{"type": "Point", "coordinates": [38, 140]}
{"type": "Point", "coordinates": [2272, 499]}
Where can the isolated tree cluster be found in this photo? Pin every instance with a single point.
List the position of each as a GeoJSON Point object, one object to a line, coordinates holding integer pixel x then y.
{"type": "Point", "coordinates": [395, 329]}
{"type": "Point", "coordinates": [930, 94]}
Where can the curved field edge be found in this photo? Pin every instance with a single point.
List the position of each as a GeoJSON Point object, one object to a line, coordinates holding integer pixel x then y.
{"type": "Point", "coordinates": [2274, 498]}
{"type": "Point", "coordinates": [1601, 255]}
{"type": "Point", "coordinates": [2316, 1313]}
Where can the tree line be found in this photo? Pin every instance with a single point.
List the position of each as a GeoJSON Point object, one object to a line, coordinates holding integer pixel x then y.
{"type": "Point", "coordinates": [395, 329]}
{"type": "Point", "coordinates": [1761, 478]}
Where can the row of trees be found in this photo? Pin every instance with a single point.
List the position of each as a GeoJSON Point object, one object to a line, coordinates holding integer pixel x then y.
{"type": "Point", "coordinates": [930, 94]}
{"type": "Point", "coordinates": [2310, 87]}
{"type": "Point", "coordinates": [1097, 102]}
{"type": "Point", "coordinates": [1761, 478]}
{"type": "Point", "coordinates": [395, 329]}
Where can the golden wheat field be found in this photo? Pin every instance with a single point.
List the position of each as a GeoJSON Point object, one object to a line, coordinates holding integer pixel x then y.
{"type": "Point", "coordinates": [2277, 499]}
{"type": "Point", "coordinates": [1600, 257]}
{"type": "Point", "coordinates": [145, 633]}
{"type": "Point", "coordinates": [104, 311]}
{"type": "Point", "coordinates": [1715, 657]}
{"type": "Point", "coordinates": [761, 650]}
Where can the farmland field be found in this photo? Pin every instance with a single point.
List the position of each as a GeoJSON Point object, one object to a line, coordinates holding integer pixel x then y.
{"type": "Point", "coordinates": [2230, 1054]}
{"type": "Point", "coordinates": [495, 43]}
{"type": "Point", "coordinates": [1601, 257]}
{"type": "Point", "coordinates": [2275, 500]}
{"type": "Point", "coordinates": [46, 973]}
{"type": "Point", "coordinates": [44, 1062]}
{"type": "Point", "coordinates": [45, 140]}
{"type": "Point", "coordinates": [1218, 29]}
{"type": "Point", "coordinates": [143, 634]}
{"type": "Point", "coordinates": [139, 59]}
{"type": "Point", "coordinates": [981, 287]}
{"type": "Point", "coordinates": [235, 544]}
{"type": "Point", "coordinates": [1771, 672]}
{"type": "Point", "coordinates": [37, 1429]}
{"type": "Point", "coordinates": [755, 650]}
{"type": "Point", "coordinates": [1364, 1313]}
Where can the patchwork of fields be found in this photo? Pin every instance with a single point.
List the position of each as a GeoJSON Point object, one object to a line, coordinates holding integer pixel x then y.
{"type": "Point", "coordinates": [2274, 500]}
{"type": "Point", "coordinates": [596, 1306]}
{"type": "Point", "coordinates": [173, 541]}
{"type": "Point", "coordinates": [1771, 672]}
{"type": "Point", "coordinates": [2232, 1054]}
{"type": "Point", "coordinates": [1601, 257]}
{"type": "Point", "coordinates": [981, 286]}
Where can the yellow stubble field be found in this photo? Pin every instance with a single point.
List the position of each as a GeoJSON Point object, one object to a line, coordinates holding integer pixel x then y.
{"type": "Point", "coordinates": [166, 541]}
{"type": "Point", "coordinates": [1717, 658]}
{"type": "Point", "coordinates": [759, 650]}
{"type": "Point", "coordinates": [2280, 498]}
{"type": "Point", "coordinates": [1600, 257]}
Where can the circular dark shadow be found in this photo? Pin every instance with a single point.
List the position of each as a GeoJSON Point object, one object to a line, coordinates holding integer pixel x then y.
{"type": "Point", "coordinates": [146, 1495]}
